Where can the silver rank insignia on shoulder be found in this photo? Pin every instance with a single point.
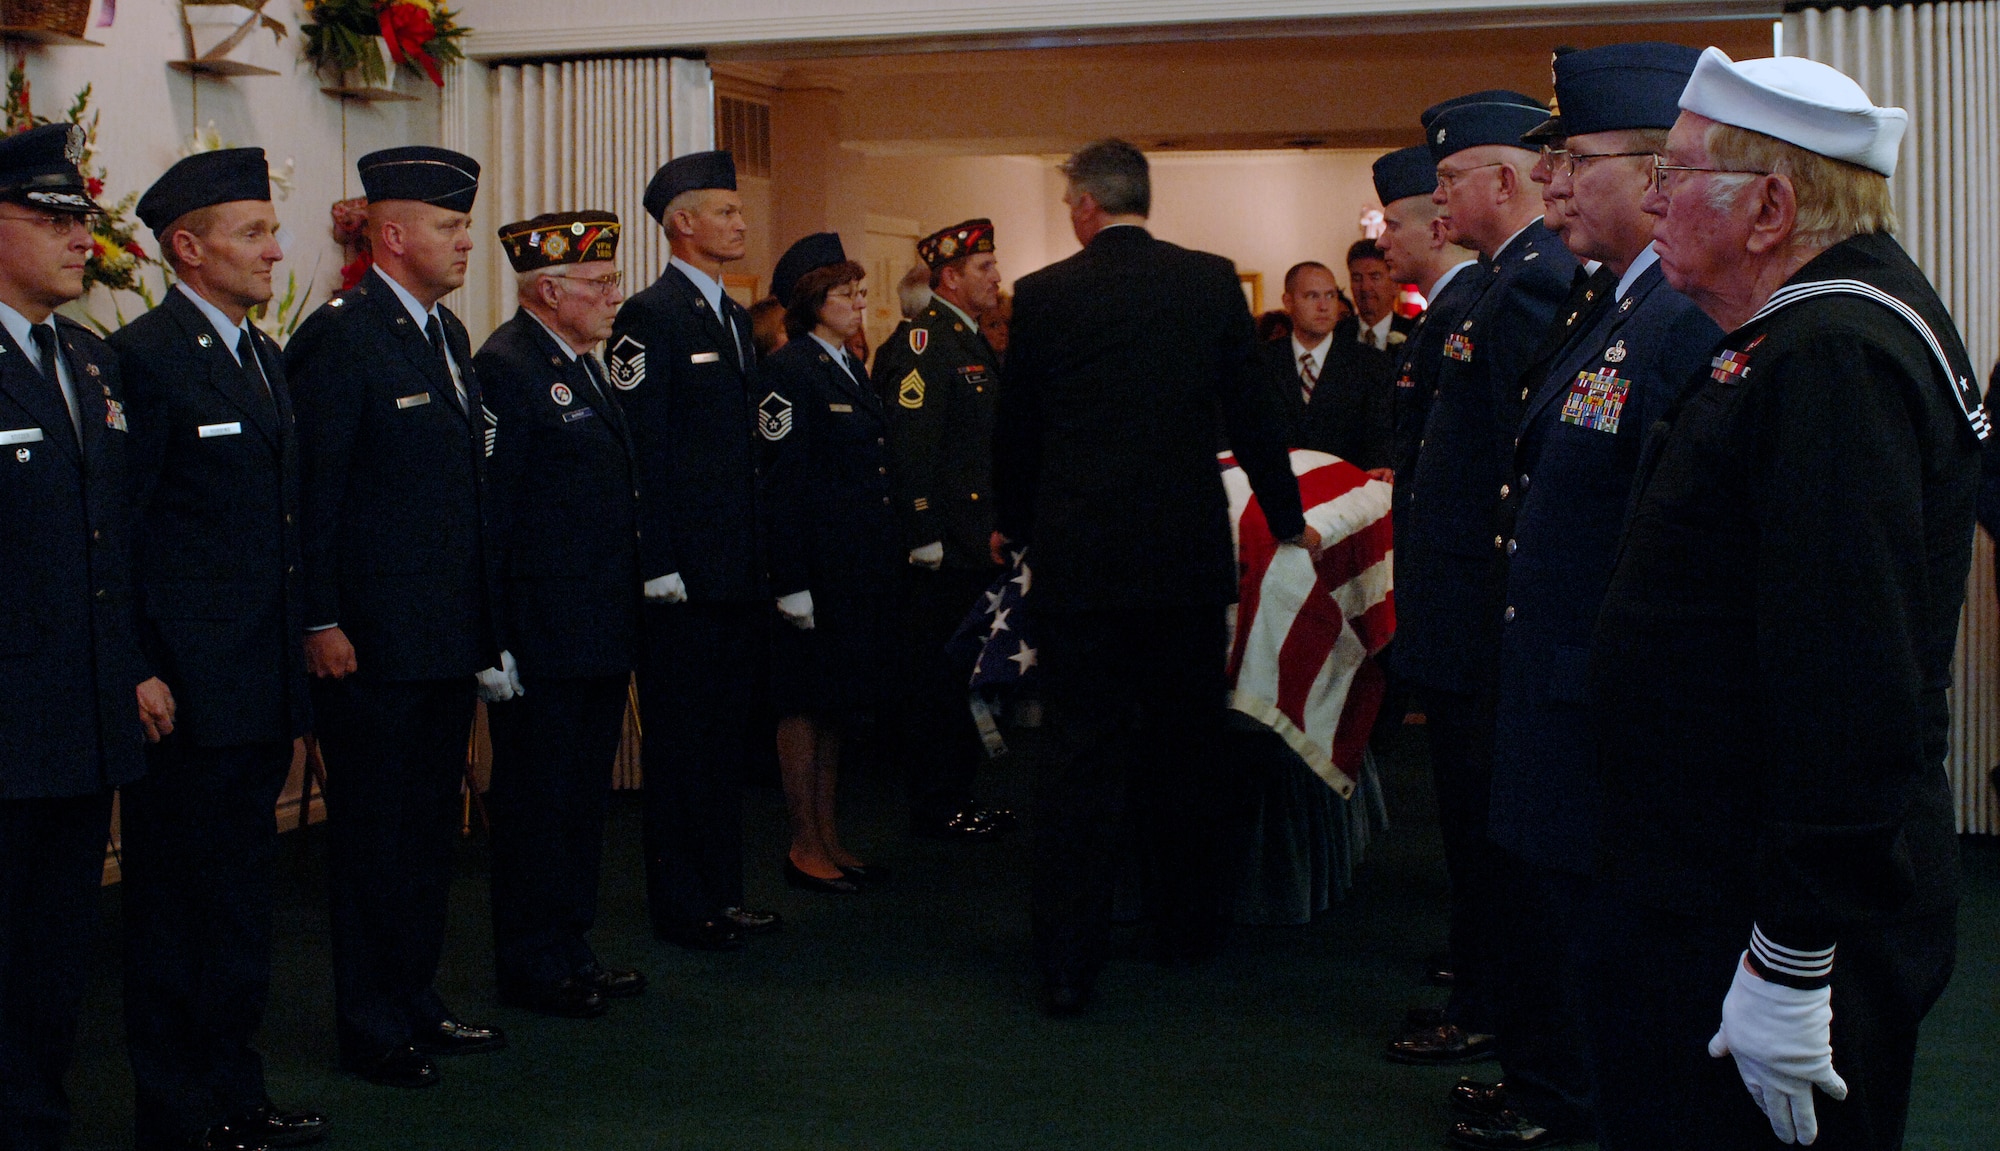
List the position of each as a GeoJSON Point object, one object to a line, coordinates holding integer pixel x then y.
{"type": "Point", "coordinates": [774, 417]}
{"type": "Point", "coordinates": [205, 340]}
{"type": "Point", "coordinates": [1626, 306]}
{"type": "Point", "coordinates": [1615, 354]}
{"type": "Point", "coordinates": [626, 364]}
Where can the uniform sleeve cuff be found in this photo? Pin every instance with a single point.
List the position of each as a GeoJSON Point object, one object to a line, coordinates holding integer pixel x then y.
{"type": "Point", "coordinates": [322, 627]}
{"type": "Point", "coordinates": [1805, 968]}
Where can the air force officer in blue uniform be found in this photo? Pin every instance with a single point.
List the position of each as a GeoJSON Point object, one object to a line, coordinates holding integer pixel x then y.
{"type": "Point", "coordinates": [215, 481]}
{"type": "Point", "coordinates": [69, 661]}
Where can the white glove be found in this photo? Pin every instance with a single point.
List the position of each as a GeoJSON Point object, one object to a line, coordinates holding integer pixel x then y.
{"type": "Point", "coordinates": [500, 684]}
{"type": "Point", "coordinates": [1781, 1038]}
{"type": "Point", "coordinates": [930, 556]}
{"type": "Point", "coordinates": [666, 589]}
{"type": "Point", "coordinates": [797, 608]}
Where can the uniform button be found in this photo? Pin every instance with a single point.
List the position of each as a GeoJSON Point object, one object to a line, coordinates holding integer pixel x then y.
{"type": "Point", "coordinates": [879, 441]}
{"type": "Point", "coordinates": [1524, 393]}
{"type": "Point", "coordinates": [1421, 443]}
{"type": "Point", "coordinates": [979, 387]}
{"type": "Point", "coordinates": [288, 517]}
{"type": "Point", "coordinates": [102, 594]}
{"type": "Point", "coordinates": [975, 495]}
{"type": "Point", "coordinates": [1509, 615]}
{"type": "Point", "coordinates": [635, 493]}
{"type": "Point", "coordinates": [1505, 491]}
{"type": "Point", "coordinates": [1497, 542]}
{"type": "Point", "coordinates": [96, 534]}
{"type": "Point", "coordinates": [885, 471]}
{"type": "Point", "coordinates": [1511, 545]}
{"type": "Point", "coordinates": [885, 501]}
{"type": "Point", "coordinates": [289, 569]}
{"type": "Point", "coordinates": [1524, 481]}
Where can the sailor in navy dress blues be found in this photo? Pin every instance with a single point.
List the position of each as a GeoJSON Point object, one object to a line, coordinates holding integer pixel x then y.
{"type": "Point", "coordinates": [681, 361]}
{"type": "Point", "coordinates": [565, 543]}
{"type": "Point", "coordinates": [836, 562]}
{"type": "Point", "coordinates": [71, 729]}
{"type": "Point", "coordinates": [1562, 508]}
{"type": "Point", "coordinates": [1772, 659]}
{"type": "Point", "coordinates": [1445, 640]}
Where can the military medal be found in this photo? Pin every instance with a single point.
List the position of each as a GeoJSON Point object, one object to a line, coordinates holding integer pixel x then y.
{"type": "Point", "coordinates": [1615, 354]}
{"type": "Point", "coordinates": [561, 394]}
{"type": "Point", "coordinates": [1595, 400]}
{"type": "Point", "coordinates": [114, 415]}
{"type": "Point", "coordinates": [1729, 368]}
{"type": "Point", "coordinates": [1458, 346]}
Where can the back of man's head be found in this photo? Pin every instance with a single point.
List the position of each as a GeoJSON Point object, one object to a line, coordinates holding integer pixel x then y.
{"type": "Point", "coordinates": [1113, 173]}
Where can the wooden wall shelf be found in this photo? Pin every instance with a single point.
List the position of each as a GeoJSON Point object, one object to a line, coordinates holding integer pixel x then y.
{"type": "Point", "coordinates": [220, 68]}
{"type": "Point", "coordinates": [46, 36]}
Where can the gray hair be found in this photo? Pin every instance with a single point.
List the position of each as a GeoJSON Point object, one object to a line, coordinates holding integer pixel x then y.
{"type": "Point", "coordinates": [913, 292]}
{"type": "Point", "coordinates": [1115, 174]}
{"type": "Point", "coordinates": [524, 283]}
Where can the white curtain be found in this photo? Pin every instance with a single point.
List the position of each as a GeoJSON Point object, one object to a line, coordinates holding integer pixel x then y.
{"type": "Point", "coordinates": [1941, 62]}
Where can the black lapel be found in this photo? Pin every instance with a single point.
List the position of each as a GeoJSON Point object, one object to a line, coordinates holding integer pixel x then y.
{"type": "Point", "coordinates": [847, 385]}
{"type": "Point", "coordinates": [32, 390]}
{"type": "Point", "coordinates": [237, 383]}
{"type": "Point", "coordinates": [93, 395]}
{"type": "Point", "coordinates": [705, 315]}
{"type": "Point", "coordinates": [739, 340]}
{"type": "Point", "coordinates": [409, 336]}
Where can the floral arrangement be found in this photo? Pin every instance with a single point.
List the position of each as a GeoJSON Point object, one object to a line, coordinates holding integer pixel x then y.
{"type": "Point", "coordinates": [116, 258]}
{"type": "Point", "coordinates": [341, 35]}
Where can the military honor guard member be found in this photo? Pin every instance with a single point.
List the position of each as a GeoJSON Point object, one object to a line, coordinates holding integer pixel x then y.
{"type": "Point", "coordinates": [1338, 394]}
{"type": "Point", "coordinates": [682, 364]}
{"type": "Point", "coordinates": [939, 381]}
{"type": "Point", "coordinates": [399, 604]}
{"type": "Point", "coordinates": [214, 463]}
{"type": "Point", "coordinates": [1104, 466]}
{"type": "Point", "coordinates": [1444, 551]}
{"type": "Point", "coordinates": [835, 559]}
{"type": "Point", "coordinates": [1562, 508]}
{"type": "Point", "coordinates": [80, 701]}
{"type": "Point", "coordinates": [1772, 657]}
{"type": "Point", "coordinates": [564, 528]}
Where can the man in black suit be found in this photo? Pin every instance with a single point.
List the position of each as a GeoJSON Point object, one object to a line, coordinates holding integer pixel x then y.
{"type": "Point", "coordinates": [1338, 395]}
{"type": "Point", "coordinates": [681, 361]}
{"type": "Point", "coordinates": [214, 466]}
{"type": "Point", "coordinates": [399, 604]}
{"type": "Point", "coordinates": [69, 660]}
{"type": "Point", "coordinates": [565, 541]}
{"type": "Point", "coordinates": [1376, 323]}
{"type": "Point", "coordinates": [1104, 465]}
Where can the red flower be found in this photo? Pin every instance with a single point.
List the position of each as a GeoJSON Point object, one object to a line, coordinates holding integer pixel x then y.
{"type": "Point", "coordinates": [408, 28]}
{"type": "Point", "coordinates": [95, 186]}
{"type": "Point", "coordinates": [137, 252]}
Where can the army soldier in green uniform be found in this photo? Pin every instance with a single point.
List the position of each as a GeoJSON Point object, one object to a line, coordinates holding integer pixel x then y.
{"type": "Point", "coordinates": [939, 380]}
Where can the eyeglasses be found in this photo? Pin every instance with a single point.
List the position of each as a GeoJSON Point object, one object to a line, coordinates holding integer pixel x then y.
{"type": "Point", "coordinates": [1449, 176]}
{"type": "Point", "coordinates": [602, 283]}
{"type": "Point", "coordinates": [59, 224]}
{"type": "Point", "coordinates": [1661, 168]}
{"type": "Point", "coordinates": [1563, 162]}
{"type": "Point", "coordinates": [857, 294]}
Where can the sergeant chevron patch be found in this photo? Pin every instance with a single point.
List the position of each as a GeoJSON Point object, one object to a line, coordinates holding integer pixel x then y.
{"type": "Point", "coordinates": [774, 417]}
{"type": "Point", "coordinates": [627, 364]}
{"type": "Point", "coordinates": [910, 393]}
{"type": "Point", "coordinates": [492, 428]}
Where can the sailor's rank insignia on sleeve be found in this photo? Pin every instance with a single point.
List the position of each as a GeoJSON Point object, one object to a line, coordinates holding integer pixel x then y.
{"type": "Point", "coordinates": [910, 393]}
{"type": "Point", "coordinates": [627, 364]}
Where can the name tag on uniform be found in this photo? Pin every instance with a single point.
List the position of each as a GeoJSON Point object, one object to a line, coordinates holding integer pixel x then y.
{"type": "Point", "coordinates": [416, 401]}
{"type": "Point", "coordinates": [842, 408]}
{"type": "Point", "coordinates": [705, 358]}
{"type": "Point", "coordinates": [22, 436]}
{"type": "Point", "coordinates": [579, 414]}
{"type": "Point", "coordinates": [210, 431]}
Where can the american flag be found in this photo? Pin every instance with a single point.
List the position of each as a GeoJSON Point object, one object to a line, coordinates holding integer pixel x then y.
{"type": "Point", "coordinates": [1303, 633]}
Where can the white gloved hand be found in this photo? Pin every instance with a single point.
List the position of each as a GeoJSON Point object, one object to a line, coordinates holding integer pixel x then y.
{"type": "Point", "coordinates": [666, 589]}
{"type": "Point", "coordinates": [1782, 1040]}
{"type": "Point", "coordinates": [500, 684]}
{"type": "Point", "coordinates": [930, 556]}
{"type": "Point", "coordinates": [797, 608]}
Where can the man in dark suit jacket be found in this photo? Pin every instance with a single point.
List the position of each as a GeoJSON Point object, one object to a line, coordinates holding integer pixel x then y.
{"type": "Point", "coordinates": [681, 361]}
{"type": "Point", "coordinates": [1375, 323]}
{"type": "Point", "coordinates": [1338, 395]}
{"type": "Point", "coordinates": [214, 467]}
{"type": "Point", "coordinates": [399, 603]}
{"type": "Point", "coordinates": [1104, 465]}
{"type": "Point", "coordinates": [69, 663]}
{"type": "Point", "coordinates": [565, 541]}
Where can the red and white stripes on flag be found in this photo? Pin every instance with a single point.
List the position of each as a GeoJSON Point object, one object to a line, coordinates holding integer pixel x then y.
{"type": "Point", "coordinates": [1304, 633]}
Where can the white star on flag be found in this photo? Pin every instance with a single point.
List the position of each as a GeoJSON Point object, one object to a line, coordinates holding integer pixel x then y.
{"type": "Point", "coordinates": [1025, 657]}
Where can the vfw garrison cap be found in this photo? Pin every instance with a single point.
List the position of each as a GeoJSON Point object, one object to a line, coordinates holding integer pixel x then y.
{"type": "Point", "coordinates": [560, 238]}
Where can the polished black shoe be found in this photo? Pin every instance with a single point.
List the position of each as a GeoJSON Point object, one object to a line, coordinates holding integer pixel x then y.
{"type": "Point", "coordinates": [566, 998]}
{"type": "Point", "coordinates": [1479, 1100]}
{"type": "Point", "coordinates": [866, 874]}
{"type": "Point", "coordinates": [450, 1037]}
{"type": "Point", "coordinates": [223, 1137]}
{"type": "Point", "coordinates": [613, 982]}
{"type": "Point", "coordinates": [1438, 971]}
{"type": "Point", "coordinates": [1064, 999]}
{"type": "Point", "coordinates": [1437, 1046]}
{"type": "Point", "coordinates": [753, 922]}
{"type": "Point", "coordinates": [1423, 1019]}
{"type": "Point", "coordinates": [966, 825]}
{"type": "Point", "coordinates": [399, 1067]}
{"type": "Point", "coordinates": [1505, 1131]}
{"type": "Point", "coordinates": [274, 1128]}
{"type": "Point", "coordinates": [794, 878]}
{"type": "Point", "coordinates": [708, 935]}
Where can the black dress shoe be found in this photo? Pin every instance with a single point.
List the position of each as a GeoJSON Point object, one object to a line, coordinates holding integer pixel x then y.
{"type": "Point", "coordinates": [223, 1137]}
{"type": "Point", "coordinates": [613, 982]}
{"type": "Point", "coordinates": [1438, 1046]}
{"type": "Point", "coordinates": [753, 922]}
{"type": "Point", "coordinates": [795, 878]}
{"type": "Point", "coordinates": [708, 935]}
{"type": "Point", "coordinates": [866, 874]}
{"type": "Point", "coordinates": [1423, 1019]}
{"type": "Point", "coordinates": [966, 825]}
{"type": "Point", "coordinates": [1438, 970]}
{"type": "Point", "coordinates": [1064, 999]}
{"type": "Point", "coordinates": [1506, 1131]}
{"type": "Point", "coordinates": [566, 998]}
{"type": "Point", "coordinates": [274, 1128]}
{"type": "Point", "coordinates": [398, 1067]}
{"type": "Point", "coordinates": [1479, 1100]}
{"type": "Point", "coordinates": [450, 1037]}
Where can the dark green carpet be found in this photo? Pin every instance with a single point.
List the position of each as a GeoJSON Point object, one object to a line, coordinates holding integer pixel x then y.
{"type": "Point", "coordinates": [902, 1019]}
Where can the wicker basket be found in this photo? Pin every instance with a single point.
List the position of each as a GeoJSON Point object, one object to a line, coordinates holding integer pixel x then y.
{"type": "Point", "coordinates": [69, 17]}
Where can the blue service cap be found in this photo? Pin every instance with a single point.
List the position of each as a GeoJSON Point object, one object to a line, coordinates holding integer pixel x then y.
{"type": "Point", "coordinates": [1618, 87]}
{"type": "Point", "coordinates": [202, 180]}
{"type": "Point", "coordinates": [38, 167]}
{"type": "Point", "coordinates": [819, 250]}
{"type": "Point", "coordinates": [437, 176]}
{"type": "Point", "coordinates": [1489, 96]}
{"type": "Point", "coordinates": [1452, 130]}
{"type": "Point", "coordinates": [1405, 172]}
{"type": "Point", "coordinates": [689, 173]}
